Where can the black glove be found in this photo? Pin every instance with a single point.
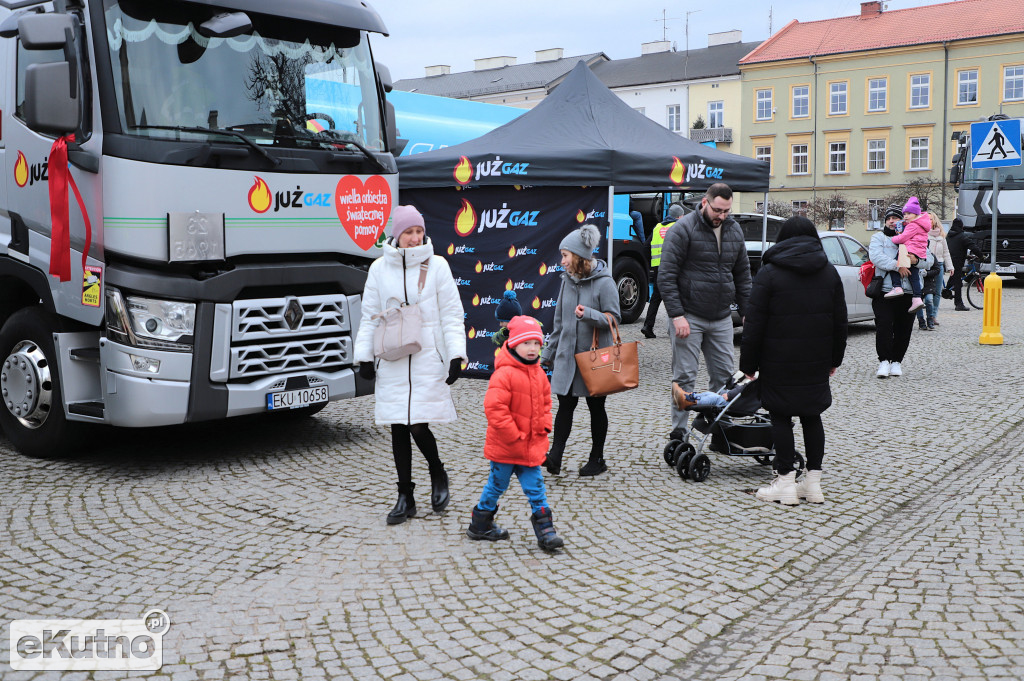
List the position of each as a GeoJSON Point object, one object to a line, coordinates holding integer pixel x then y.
{"type": "Point", "coordinates": [366, 371]}
{"type": "Point", "coordinates": [454, 369]}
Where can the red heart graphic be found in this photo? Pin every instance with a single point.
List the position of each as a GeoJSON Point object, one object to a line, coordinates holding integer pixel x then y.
{"type": "Point", "coordinates": [363, 209]}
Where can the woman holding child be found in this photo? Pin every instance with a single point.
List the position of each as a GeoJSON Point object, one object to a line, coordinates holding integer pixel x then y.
{"type": "Point", "coordinates": [588, 292]}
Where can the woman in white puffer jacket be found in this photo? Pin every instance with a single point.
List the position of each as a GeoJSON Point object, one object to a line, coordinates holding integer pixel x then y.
{"type": "Point", "coordinates": [413, 391]}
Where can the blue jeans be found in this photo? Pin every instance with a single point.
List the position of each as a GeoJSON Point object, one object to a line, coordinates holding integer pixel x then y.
{"type": "Point", "coordinates": [530, 479]}
{"type": "Point", "coordinates": [932, 297]}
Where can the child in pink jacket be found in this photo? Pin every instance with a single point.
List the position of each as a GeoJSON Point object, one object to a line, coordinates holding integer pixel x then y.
{"type": "Point", "coordinates": [914, 237]}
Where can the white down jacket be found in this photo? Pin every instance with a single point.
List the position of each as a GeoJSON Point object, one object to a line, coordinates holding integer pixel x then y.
{"type": "Point", "coordinates": [412, 389]}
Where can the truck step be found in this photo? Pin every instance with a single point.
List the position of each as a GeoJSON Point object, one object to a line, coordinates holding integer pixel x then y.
{"type": "Point", "coordinates": [86, 354]}
{"type": "Point", "coordinates": [93, 409]}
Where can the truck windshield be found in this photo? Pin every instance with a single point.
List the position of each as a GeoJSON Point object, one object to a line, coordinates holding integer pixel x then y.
{"type": "Point", "coordinates": [285, 83]}
{"type": "Point", "coordinates": [1008, 174]}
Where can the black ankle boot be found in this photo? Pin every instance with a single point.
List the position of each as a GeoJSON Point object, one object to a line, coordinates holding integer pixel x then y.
{"type": "Point", "coordinates": [595, 466]}
{"type": "Point", "coordinates": [439, 490]}
{"type": "Point", "coordinates": [544, 528]}
{"type": "Point", "coordinates": [405, 507]}
{"type": "Point", "coordinates": [482, 526]}
{"type": "Point", "coordinates": [553, 461]}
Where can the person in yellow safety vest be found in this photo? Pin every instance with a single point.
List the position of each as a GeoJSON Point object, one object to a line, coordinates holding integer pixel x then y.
{"type": "Point", "coordinates": [675, 211]}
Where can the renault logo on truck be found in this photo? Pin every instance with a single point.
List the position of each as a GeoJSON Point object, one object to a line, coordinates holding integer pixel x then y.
{"type": "Point", "coordinates": [293, 314]}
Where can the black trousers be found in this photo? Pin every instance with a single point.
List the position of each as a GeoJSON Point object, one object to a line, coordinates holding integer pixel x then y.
{"type": "Point", "coordinates": [402, 449]}
{"type": "Point", "coordinates": [652, 307]}
{"type": "Point", "coordinates": [563, 425]}
{"type": "Point", "coordinates": [955, 283]}
{"type": "Point", "coordinates": [785, 447]}
{"type": "Point", "coordinates": [893, 326]}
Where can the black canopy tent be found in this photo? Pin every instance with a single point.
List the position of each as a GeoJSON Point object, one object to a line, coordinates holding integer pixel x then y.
{"type": "Point", "coordinates": [583, 134]}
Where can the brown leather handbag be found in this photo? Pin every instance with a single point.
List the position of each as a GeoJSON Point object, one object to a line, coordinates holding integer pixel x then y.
{"type": "Point", "coordinates": [612, 369]}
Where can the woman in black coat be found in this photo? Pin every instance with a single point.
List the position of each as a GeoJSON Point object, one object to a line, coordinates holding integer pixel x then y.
{"type": "Point", "coordinates": [794, 334]}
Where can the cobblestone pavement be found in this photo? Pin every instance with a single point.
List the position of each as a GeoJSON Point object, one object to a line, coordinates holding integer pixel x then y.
{"type": "Point", "coordinates": [265, 541]}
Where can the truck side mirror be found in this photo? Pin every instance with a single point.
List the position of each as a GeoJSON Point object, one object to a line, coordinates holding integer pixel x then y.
{"type": "Point", "coordinates": [956, 159]}
{"type": "Point", "coordinates": [45, 31]}
{"type": "Point", "coordinates": [48, 106]}
{"type": "Point", "coordinates": [954, 175]}
{"type": "Point", "coordinates": [391, 127]}
{"type": "Point", "coordinates": [384, 73]}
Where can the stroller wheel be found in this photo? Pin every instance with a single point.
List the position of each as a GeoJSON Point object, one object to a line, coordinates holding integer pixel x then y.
{"type": "Point", "coordinates": [763, 460]}
{"type": "Point", "coordinates": [700, 466]}
{"type": "Point", "coordinates": [669, 452]}
{"type": "Point", "coordinates": [683, 454]}
{"type": "Point", "coordinates": [798, 463]}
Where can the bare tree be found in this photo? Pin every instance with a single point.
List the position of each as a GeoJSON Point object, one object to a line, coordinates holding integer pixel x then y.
{"type": "Point", "coordinates": [835, 211]}
{"type": "Point", "coordinates": [928, 190]}
{"type": "Point", "coordinates": [783, 209]}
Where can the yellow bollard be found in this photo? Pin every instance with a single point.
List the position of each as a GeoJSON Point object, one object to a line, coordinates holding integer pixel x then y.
{"type": "Point", "coordinates": [990, 334]}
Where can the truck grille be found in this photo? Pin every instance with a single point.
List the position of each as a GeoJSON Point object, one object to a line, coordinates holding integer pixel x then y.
{"type": "Point", "coordinates": [278, 335]}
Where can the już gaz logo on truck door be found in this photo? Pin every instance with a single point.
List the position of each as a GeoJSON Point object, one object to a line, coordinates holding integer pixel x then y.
{"type": "Point", "coordinates": [26, 174]}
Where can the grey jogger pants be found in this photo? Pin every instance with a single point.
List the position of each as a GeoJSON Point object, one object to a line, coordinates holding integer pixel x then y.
{"type": "Point", "coordinates": [714, 339]}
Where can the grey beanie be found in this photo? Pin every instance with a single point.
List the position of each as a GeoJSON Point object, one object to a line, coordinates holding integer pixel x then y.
{"type": "Point", "coordinates": [675, 211]}
{"type": "Point", "coordinates": [582, 241]}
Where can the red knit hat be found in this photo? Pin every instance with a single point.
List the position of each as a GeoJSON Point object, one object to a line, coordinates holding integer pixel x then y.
{"type": "Point", "coordinates": [523, 328]}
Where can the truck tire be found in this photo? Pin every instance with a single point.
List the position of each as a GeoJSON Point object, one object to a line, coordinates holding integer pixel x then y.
{"type": "Point", "coordinates": [631, 281]}
{"type": "Point", "coordinates": [32, 409]}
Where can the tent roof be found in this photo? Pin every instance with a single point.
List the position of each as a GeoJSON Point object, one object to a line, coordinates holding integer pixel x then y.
{"type": "Point", "coordinates": [583, 134]}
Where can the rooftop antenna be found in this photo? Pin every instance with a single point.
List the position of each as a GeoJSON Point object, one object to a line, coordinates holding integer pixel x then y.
{"type": "Point", "coordinates": [664, 24]}
{"type": "Point", "coordinates": [686, 60]}
{"type": "Point", "coordinates": [769, 21]}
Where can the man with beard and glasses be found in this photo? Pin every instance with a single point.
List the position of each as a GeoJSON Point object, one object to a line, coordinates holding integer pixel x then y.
{"type": "Point", "coordinates": [704, 270]}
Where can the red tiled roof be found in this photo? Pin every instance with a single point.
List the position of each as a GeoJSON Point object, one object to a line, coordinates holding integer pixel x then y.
{"type": "Point", "coordinates": [915, 26]}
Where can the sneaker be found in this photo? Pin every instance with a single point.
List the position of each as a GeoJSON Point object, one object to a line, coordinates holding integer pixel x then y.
{"type": "Point", "coordinates": [895, 369]}
{"type": "Point", "coordinates": [883, 369]}
{"type": "Point", "coordinates": [915, 305]}
{"type": "Point", "coordinates": [894, 292]}
{"type": "Point", "coordinates": [809, 487]}
{"type": "Point", "coordinates": [682, 399]}
{"type": "Point", "coordinates": [782, 490]}
{"type": "Point", "coordinates": [933, 321]}
{"type": "Point", "coordinates": [962, 308]}
{"type": "Point", "coordinates": [921, 325]}
{"type": "Point", "coordinates": [647, 331]}
{"type": "Point", "coordinates": [932, 324]}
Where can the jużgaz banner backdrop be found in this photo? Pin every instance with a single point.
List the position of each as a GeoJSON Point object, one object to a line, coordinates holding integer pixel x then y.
{"type": "Point", "coordinates": [506, 238]}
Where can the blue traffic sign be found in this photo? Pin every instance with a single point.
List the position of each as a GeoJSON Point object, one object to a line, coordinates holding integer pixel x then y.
{"type": "Point", "coordinates": [995, 144]}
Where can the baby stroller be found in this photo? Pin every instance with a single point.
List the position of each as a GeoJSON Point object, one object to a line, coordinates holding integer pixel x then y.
{"type": "Point", "coordinates": [740, 428]}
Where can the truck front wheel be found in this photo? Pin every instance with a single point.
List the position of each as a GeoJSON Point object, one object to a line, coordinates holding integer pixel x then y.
{"type": "Point", "coordinates": [631, 281]}
{"type": "Point", "coordinates": [32, 413]}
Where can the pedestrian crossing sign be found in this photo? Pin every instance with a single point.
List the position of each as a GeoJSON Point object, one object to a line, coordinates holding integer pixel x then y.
{"type": "Point", "coordinates": [995, 144]}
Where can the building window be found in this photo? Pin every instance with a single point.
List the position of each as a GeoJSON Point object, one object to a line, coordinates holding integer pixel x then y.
{"type": "Point", "coordinates": [877, 94]}
{"type": "Point", "coordinates": [919, 153]}
{"type": "Point", "coordinates": [716, 114]}
{"type": "Point", "coordinates": [876, 155]}
{"type": "Point", "coordinates": [799, 159]}
{"type": "Point", "coordinates": [876, 211]}
{"type": "Point", "coordinates": [641, 110]}
{"type": "Point", "coordinates": [837, 99]}
{"type": "Point", "coordinates": [837, 215]}
{"type": "Point", "coordinates": [800, 208]}
{"type": "Point", "coordinates": [764, 105]}
{"type": "Point", "coordinates": [920, 91]}
{"type": "Point", "coordinates": [837, 157]}
{"type": "Point", "coordinates": [764, 153]}
{"type": "Point", "coordinates": [674, 118]}
{"type": "Point", "coordinates": [1013, 83]}
{"type": "Point", "coordinates": [967, 87]}
{"type": "Point", "coordinates": [759, 207]}
{"type": "Point", "coordinates": [801, 101]}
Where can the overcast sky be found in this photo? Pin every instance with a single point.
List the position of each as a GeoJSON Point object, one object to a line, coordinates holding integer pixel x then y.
{"type": "Point", "coordinates": [455, 32]}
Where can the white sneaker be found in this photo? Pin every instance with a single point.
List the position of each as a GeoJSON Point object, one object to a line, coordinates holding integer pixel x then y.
{"type": "Point", "coordinates": [782, 490]}
{"type": "Point", "coordinates": [809, 487]}
{"type": "Point", "coordinates": [895, 369]}
{"type": "Point", "coordinates": [883, 369]}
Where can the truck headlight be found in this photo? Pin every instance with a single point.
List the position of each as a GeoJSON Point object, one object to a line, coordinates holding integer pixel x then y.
{"type": "Point", "coordinates": [150, 323]}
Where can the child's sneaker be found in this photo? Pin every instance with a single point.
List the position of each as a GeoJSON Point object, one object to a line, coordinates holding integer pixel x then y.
{"type": "Point", "coordinates": [895, 291]}
{"type": "Point", "coordinates": [682, 399]}
{"type": "Point", "coordinates": [915, 305]}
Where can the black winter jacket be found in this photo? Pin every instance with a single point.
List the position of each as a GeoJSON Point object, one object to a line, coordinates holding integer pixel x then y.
{"type": "Point", "coordinates": [961, 243]}
{"type": "Point", "coordinates": [795, 328]}
{"type": "Point", "coordinates": [694, 278]}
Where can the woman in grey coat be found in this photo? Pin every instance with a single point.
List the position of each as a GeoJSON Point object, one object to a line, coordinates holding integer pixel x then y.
{"type": "Point", "coordinates": [588, 291]}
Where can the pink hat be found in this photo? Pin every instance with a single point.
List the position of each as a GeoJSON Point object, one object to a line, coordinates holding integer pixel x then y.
{"type": "Point", "coordinates": [404, 217]}
{"type": "Point", "coordinates": [912, 206]}
{"type": "Point", "coordinates": [522, 329]}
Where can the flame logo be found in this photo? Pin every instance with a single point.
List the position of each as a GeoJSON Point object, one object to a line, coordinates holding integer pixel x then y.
{"type": "Point", "coordinates": [464, 365]}
{"type": "Point", "coordinates": [536, 303]}
{"type": "Point", "coordinates": [476, 299]}
{"type": "Point", "coordinates": [463, 172]}
{"type": "Point", "coordinates": [509, 285]}
{"type": "Point", "coordinates": [479, 266]}
{"type": "Point", "coordinates": [21, 170]}
{"type": "Point", "coordinates": [678, 171]}
{"type": "Point", "coordinates": [512, 251]}
{"type": "Point", "coordinates": [580, 216]}
{"type": "Point", "coordinates": [543, 269]}
{"type": "Point", "coordinates": [259, 196]}
{"type": "Point", "coordinates": [451, 249]}
{"type": "Point", "coordinates": [472, 332]}
{"type": "Point", "coordinates": [465, 219]}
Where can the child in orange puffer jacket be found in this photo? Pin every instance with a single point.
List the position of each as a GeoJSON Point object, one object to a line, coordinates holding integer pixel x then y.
{"type": "Point", "coordinates": [518, 409]}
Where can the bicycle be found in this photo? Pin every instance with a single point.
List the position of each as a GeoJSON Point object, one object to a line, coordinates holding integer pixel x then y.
{"type": "Point", "coordinates": [975, 283]}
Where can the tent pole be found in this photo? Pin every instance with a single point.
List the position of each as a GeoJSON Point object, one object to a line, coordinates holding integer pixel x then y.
{"type": "Point", "coordinates": [611, 222]}
{"type": "Point", "coordinates": [764, 224]}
